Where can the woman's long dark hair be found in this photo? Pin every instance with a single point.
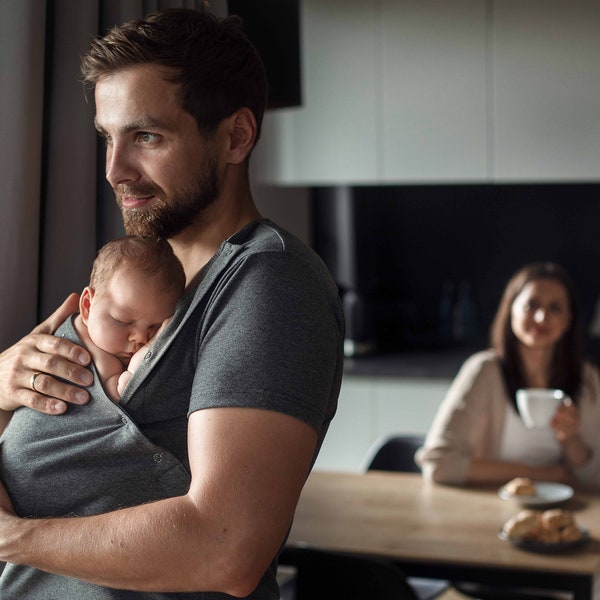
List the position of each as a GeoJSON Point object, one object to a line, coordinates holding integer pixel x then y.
{"type": "Point", "coordinates": [567, 361]}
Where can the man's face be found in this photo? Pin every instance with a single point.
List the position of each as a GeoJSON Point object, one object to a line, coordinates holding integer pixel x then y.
{"type": "Point", "coordinates": [164, 173]}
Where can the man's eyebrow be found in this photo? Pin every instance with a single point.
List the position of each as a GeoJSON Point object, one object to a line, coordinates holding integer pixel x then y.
{"type": "Point", "coordinates": [140, 124]}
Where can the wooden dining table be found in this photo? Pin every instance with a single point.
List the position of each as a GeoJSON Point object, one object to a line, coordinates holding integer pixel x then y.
{"type": "Point", "coordinates": [441, 531]}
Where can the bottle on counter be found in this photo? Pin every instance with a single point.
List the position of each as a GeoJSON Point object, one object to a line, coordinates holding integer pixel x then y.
{"type": "Point", "coordinates": [464, 314]}
{"type": "Point", "coordinates": [446, 310]}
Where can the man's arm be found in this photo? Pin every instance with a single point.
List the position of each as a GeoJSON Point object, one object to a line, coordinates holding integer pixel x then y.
{"type": "Point", "coordinates": [248, 468]}
{"type": "Point", "coordinates": [54, 357]}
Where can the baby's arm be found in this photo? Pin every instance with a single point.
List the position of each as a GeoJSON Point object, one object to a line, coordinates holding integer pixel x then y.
{"type": "Point", "coordinates": [134, 363]}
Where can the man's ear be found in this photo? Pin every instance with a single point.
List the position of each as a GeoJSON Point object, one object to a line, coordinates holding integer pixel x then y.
{"type": "Point", "coordinates": [241, 126]}
{"type": "Point", "coordinates": [85, 301]}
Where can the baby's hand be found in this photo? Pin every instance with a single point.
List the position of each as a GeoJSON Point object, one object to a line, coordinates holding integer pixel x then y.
{"type": "Point", "coordinates": [124, 377]}
{"type": "Point", "coordinates": [137, 358]}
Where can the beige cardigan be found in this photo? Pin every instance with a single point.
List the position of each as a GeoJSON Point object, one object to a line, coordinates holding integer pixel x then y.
{"type": "Point", "coordinates": [470, 422]}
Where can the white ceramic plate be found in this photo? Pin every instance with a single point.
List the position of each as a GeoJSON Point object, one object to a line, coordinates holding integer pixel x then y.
{"type": "Point", "coordinates": [544, 548]}
{"type": "Point", "coordinates": [547, 493]}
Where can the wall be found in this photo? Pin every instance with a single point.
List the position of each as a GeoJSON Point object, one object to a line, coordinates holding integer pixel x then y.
{"type": "Point", "coordinates": [288, 207]}
{"type": "Point", "coordinates": [369, 408]}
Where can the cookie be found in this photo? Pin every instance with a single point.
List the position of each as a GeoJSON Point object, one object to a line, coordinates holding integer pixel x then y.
{"type": "Point", "coordinates": [557, 518]}
{"type": "Point", "coordinates": [520, 486]}
{"type": "Point", "coordinates": [523, 525]}
{"type": "Point", "coordinates": [571, 533]}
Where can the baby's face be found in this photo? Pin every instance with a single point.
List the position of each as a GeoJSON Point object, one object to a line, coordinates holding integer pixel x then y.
{"type": "Point", "coordinates": [125, 316]}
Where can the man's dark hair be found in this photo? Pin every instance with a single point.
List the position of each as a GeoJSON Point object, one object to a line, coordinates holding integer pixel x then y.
{"type": "Point", "coordinates": [219, 70]}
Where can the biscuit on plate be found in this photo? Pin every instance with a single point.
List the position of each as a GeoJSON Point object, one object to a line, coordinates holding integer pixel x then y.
{"type": "Point", "coordinates": [520, 486]}
{"type": "Point", "coordinates": [571, 533]}
{"type": "Point", "coordinates": [557, 518]}
{"type": "Point", "coordinates": [524, 525]}
{"type": "Point", "coordinates": [553, 526]}
{"type": "Point", "coordinates": [548, 535]}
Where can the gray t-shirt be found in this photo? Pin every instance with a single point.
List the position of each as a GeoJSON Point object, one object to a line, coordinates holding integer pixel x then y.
{"type": "Point", "coordinates": [264, 328]}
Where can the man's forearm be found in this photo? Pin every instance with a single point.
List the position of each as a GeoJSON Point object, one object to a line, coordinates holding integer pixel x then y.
{"type": "Point", "coordinates": [163, 546]}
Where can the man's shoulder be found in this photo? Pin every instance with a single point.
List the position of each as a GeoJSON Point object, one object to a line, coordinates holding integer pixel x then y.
{"type": "Point", "coordinates": [264, 235]}
{"type": "Point", "coordinates": [268, 250]}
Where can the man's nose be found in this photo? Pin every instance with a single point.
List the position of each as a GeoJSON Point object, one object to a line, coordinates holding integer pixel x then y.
{"type": "Point", "coordinates": [120, 167]}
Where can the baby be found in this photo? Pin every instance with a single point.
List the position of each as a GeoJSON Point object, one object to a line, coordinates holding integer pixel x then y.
{"type": "Point", "coordinates": [134, 286]}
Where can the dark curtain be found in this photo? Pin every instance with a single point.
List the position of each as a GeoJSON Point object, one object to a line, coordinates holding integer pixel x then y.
{"type": "Point", "coordinates": [55, 209]}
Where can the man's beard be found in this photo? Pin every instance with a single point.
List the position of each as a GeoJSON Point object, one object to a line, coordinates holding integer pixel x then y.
{"type": "Point", "coordinates": [166, 219]}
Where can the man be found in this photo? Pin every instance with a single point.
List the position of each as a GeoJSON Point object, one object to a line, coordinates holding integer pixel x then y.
{"type": "Point", "coordinates": [224, 420]}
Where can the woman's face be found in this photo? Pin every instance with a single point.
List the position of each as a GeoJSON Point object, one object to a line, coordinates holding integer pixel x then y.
{"type": "Point", "coordinates": [541, 314]}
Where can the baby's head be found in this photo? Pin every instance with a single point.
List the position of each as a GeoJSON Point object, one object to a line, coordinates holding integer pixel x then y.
{"type": "Point", "coordinates": [134, 286]}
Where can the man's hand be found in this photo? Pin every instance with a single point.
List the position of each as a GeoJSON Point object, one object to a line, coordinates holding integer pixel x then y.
{"type": "Point", "coordinates": [51, 357]}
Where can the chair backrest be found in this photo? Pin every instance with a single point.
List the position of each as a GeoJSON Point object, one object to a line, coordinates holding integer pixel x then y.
{"type": "Point", "coordinates": [394, 453]}
{"type": "Point", "coordinates": [323, 575]}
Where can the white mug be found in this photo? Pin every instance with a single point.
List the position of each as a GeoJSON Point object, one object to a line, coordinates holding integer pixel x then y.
{"type": "Point", "coordinates": [538, 405]}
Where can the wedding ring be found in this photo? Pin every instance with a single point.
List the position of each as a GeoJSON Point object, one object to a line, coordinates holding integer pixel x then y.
{"type": "Point", "coordinates": [32, 381]}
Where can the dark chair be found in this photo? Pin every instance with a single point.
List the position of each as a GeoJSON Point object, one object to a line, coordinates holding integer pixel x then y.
{"type": "Point", "coordinates": [396, 453]}
{"type": "Point", "coordinates": [323, 575]}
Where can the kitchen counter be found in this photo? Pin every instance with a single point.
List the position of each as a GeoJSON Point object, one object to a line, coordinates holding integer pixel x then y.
{"type": "Point", "coordinates": [439, 364]}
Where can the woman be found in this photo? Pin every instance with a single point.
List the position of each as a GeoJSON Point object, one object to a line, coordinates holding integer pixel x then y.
{"type": "Point", "coordinates": [478, 436]}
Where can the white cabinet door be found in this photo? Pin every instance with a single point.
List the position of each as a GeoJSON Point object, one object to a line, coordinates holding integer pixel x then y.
{"type": "Point", "coordinates": [434, 114]}
{"type": "Point", "coordinates": [393, 91]}
{"type": "Point", "coordinates": [547, 90]}
{"type": "Point", "coordinates": [331, 138]}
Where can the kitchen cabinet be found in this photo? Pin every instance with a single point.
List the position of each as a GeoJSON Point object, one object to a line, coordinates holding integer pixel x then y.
{"type": "Point", "coordinates": [393, 91]}
{"type": "Point", "coordinates": [433, 100]}
{"type": "Point", "coordinates": [546, 83]}
{"type": "Point", "coordinates": [332, 136]}
{"type": "Point", "coordinates": [428, 91]}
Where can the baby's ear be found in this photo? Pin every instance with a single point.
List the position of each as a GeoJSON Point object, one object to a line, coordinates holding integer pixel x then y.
{"type": "Point", "coordinates": [85, 300]}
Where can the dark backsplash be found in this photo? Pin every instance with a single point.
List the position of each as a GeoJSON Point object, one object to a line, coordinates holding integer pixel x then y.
{"type": "Point", "coordinates": [396, 250]}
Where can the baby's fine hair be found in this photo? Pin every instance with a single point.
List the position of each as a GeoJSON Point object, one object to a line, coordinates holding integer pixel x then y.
{"type": "Point", "coordinates": [152, 257]}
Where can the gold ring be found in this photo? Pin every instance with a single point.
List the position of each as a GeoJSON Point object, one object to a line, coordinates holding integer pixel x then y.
{"type": "Point", "coordinates": [32, 381]}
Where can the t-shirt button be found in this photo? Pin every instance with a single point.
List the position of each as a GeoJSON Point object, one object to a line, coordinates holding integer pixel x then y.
{"type": "Point", "coordinates": [157, 457]}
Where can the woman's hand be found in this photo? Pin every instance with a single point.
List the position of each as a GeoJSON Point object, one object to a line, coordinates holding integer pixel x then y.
{"type": "Point", "coordinates": [52, 357]}
{"type": "Point", "coordinates": [566, 421]}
